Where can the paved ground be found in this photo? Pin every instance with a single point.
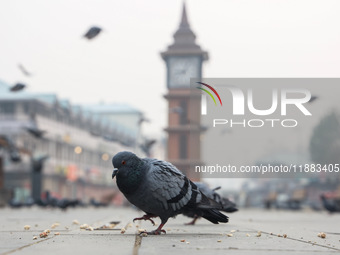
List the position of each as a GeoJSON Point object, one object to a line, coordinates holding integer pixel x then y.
{"type": "Point", "coordinates": [301, 229]}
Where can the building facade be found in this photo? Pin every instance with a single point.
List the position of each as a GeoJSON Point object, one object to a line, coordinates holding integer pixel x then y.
{"type": "Point", "coordinates": [78, 145]}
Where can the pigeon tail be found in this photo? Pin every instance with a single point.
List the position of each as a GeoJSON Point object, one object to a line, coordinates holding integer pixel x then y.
{"type": "Point", "coordinates": [214, 216]}
{"type": "Point", "coordinates": [230, 209]}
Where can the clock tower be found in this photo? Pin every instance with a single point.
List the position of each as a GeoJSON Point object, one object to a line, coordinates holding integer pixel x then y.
{"type": "Point", "coordinates": [183, 60]}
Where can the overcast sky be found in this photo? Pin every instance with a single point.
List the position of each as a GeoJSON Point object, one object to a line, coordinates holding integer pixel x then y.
{"type": "Point", "coordinates": [245, 38]}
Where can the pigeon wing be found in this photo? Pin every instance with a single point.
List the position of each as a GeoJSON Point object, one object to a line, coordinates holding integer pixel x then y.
{"type": "Point", "coordinates": [170, 186]}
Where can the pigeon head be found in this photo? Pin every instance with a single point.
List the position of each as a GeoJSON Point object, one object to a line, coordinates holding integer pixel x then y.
{"type": "Point", "coordinates": [124, 161]}
{"type": "Point", "coordinates": [129, 171]}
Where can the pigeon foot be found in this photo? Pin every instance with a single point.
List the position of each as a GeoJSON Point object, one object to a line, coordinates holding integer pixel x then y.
{"type": "Point", "coordinates": [146, 217]}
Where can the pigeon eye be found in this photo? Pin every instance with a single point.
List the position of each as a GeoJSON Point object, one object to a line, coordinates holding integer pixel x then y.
{"type": "Point", "coordinates": [123, 162]}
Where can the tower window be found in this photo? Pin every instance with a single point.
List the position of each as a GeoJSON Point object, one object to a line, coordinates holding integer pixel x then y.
{"type": "Point", "coordinates": [183, 146]}
{"type": "Point", "coordinates": [183, 119]}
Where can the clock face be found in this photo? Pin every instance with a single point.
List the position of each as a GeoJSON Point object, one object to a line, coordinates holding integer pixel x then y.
{"type": "Point", "coordinates": [181, 69]}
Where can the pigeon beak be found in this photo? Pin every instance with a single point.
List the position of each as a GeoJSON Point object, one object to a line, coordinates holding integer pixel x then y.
{"type": "Point", "coordinates": [114, 173]}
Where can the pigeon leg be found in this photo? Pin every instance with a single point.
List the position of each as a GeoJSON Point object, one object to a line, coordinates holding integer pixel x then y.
{"type": "Point", "coordinates": [146, 217]}
{"type": "Point", "coordinates": [193, 221]}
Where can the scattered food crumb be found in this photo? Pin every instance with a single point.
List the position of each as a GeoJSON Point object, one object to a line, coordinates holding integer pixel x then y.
{"type": "Point", "coordinates": [47, 231]}
{"type": "Point", "coordinates": [144, 234]}
{"type": "Point", "coordinates": [137, 226]}
{"type": "Point", "coordinates": [271, 233]}
{"type": "Point", "coordinates": [284, 235]}
{"type": "Point", "coordinates": [27, 227]}
{"type": "Point", "coordinates": [75, 222]}
{"type": "Point", "coordinates": [66, 228]}
{"type": "Point", "coordinates": [43, 234]}
{"type": "Point", "coordinates": [54, 225]}
{"type": "Point", "coordinates": [247, 235]}
{"type": "Point", "coordinates": [183, 240]}
{"type": "Point", "coordinates": [219, 241]}
{"type": "Point", "coordinates": [229, 235]}
{"type": "Point", "coordinates": [127, 226]}
{"type": "Point", "coordinates": [84, 226]}
{"type": "Point", "coordinates": [278, 235]}
{"type": "Point", "coordinates": [187, 242]}
{"type": "Point", "coordinates": [322, 235]}
{"type": "Point", "coordinates": [89, 228]}
{"type": "Point", "coordinates": [232, 231]}
{"type": "Point", "coordinates": [259, 233]}
{"type": "Point", "coordinates": [140, 230]}
{"type": "Point", "coordinates": [56, 233]}
{"type": "Point", "coordinates": [35, 237]}
{"type": "Point", "coordinates": [122, 231]}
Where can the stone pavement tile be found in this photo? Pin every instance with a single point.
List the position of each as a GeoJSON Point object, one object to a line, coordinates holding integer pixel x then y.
{"type": "Point", "coordinates": [204, 238]}
{"type": "Point", "coordinates": [14, 239]}
{"type": "Point", "coordinates": [83, 243]}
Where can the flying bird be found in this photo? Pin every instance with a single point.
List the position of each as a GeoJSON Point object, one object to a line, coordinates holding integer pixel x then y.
{"type": "Point", "coordinates": [160, 190]}
{"type": "Point", "coordinates": [7, 143]}
{"type": "Point", "coordinates": [226, 204]}
{"type": "Point", "coordinates": [17, 87]}
{"type": "Point", "coordinates": [146, 146]}
{"type": "Point", "coordinates": [92, 32]}
{"type": "Point", "coordinates": [37, 133]}
{"type": "Point", "coordinates": [312, 99]}
{"type": "Point", "coordinates": [24, 70]}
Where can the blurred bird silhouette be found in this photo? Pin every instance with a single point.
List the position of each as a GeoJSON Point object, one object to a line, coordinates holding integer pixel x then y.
{"type": "Point", "coordinates": [17, 87]}
{"type": "Point", "coordinates": [227, 205]}
{"type": "Point", "coordinates": [7, 143]}
{"type": "Point", "coordinates": [329, 204]}
{"type": "Point", "coordinates": [24, 70]}
{"type": "Point", "coordinates": [92, 32]}
{"type": "Point", "coordinates": [312, 99]}
{"type": "Point", "coordinates": [37, 133]}
{"type": "Point", "coordinates": [146, 146]}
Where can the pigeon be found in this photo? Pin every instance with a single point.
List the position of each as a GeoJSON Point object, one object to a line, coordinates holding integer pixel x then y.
{"type": "Point", "coordinates": [160, 190]}
{"type": "Point", "coordinates": [7, 143]}
{"type": "Point", "coordinates": [35, 132]}
{"type": "Point", "coordinates": [24, 70]}
{"type": "Point", "coordinates": [17, 87]}
{"type": "Point", "coordinates": [146, 146]}
{"type": "Point", "coordinates": [92, 32]}
{"type": "Point", "coordinates": [227, 205]}
{"type": "Point", "coordinates": [330, 205]}
{"type": "Point", "coordinates": [312, 99]}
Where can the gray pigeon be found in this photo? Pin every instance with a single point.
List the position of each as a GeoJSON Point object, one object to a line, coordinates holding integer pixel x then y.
{"type": "Point", "coordinates": [160, 190]}
{"type": "Point", "coordinates": [92, 32]}
{"type": "Point", "coordinates": [226, 204]}
{"type": "Point", "coordinates": [17, 87]}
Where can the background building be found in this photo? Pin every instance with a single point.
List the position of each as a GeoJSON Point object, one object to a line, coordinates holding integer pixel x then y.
{"type": "Point", "coordinates": [75, 144]}
{"type": "Point", "coordinates": [184, 60]}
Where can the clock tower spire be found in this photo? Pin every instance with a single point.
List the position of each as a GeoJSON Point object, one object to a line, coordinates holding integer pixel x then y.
{"type": "Point", "coordinates": [183, 58]}
{"type": "Point", "coordinates": [184, 40]}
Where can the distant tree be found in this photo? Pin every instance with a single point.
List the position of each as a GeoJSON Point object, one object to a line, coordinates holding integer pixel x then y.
{"type": "Point", "coordinates": [325, 141]}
